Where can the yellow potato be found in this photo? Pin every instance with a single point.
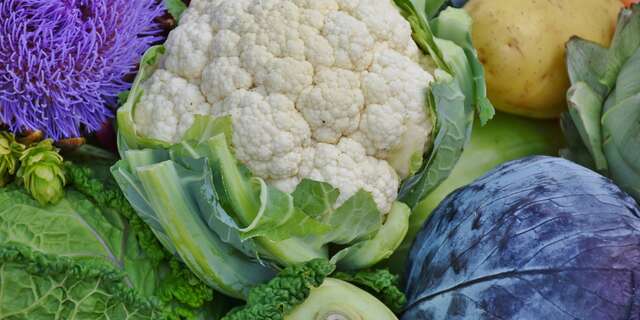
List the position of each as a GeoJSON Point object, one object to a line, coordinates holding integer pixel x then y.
{"type": "Point", "coordinates": [521, 44]}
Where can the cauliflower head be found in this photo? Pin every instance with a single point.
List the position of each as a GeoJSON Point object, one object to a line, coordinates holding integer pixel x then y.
{"type": "Point", "coordinates": [330, 90]}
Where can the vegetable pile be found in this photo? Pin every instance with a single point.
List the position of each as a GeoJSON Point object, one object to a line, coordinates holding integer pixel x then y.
{"type": "Point", "coordinates": [277, 159]}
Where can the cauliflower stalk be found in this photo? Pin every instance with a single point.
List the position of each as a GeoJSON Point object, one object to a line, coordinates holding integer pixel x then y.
{"type": "Point", "coordinates": [275, 132]}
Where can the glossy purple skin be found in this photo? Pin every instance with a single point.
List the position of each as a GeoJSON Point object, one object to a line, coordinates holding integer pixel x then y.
{"type": "Point", "coordinates": [537, 238]}
{"type": "Point", "coordinates": [63, 62]}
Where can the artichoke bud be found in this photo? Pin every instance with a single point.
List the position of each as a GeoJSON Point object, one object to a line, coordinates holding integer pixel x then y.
{"type": "Point", "coordinates": [41, 172]}
{"type": "Point", "coordinates": [10, 150]}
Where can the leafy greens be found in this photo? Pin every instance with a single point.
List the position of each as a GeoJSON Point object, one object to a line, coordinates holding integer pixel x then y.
{"type": "Point", "coordinates": [459, 87]}
{"type": "Point", "coordinates": [88, 257]}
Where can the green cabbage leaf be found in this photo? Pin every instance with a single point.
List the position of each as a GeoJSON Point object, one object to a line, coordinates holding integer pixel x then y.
{"type": "Point", "coordinates": [459, 89]}
{"type": "Point", "coordinates": [89, 257]}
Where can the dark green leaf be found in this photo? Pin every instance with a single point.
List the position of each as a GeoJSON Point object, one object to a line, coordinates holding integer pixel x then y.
{"type": "Point", "coordinates": [381, 283]}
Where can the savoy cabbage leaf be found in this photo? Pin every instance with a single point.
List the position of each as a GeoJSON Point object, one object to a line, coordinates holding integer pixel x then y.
{"type": "Point", "coordinates": [89, 257]}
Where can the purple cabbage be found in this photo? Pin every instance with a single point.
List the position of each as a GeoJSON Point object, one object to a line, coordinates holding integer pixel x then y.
{"type": "Point", "coordinates": [537, 238]}
{"type": "Point", "coordinates": [63, 62]}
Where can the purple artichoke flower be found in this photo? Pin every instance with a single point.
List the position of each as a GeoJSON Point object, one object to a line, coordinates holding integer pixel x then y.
{"type": "Point", "coordinates": [63, 62]}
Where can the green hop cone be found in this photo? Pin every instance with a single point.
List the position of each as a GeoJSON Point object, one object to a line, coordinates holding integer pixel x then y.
{"type": "Point", "coordinates": [10, 150]}
{"type": "Point", "coordinates": [41, 171]}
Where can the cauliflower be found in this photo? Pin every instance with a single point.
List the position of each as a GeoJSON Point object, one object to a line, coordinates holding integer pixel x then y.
{"type": "Point", "coordinates": [330, 90]}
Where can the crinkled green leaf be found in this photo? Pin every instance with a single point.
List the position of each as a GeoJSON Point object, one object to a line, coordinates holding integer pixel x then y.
{"type": "Point", "coordinates": [273, 300]}
{"type": "Point", "coordinates": [99, 258]}
{"type": "Point", "coordinates": [454, 129]}
{"type": "Point", "coordinates": [75, 228]}
{"type": "Point", "coordinates": [36, 285]}
{"type": "Point", "coordinates": [381, 283]}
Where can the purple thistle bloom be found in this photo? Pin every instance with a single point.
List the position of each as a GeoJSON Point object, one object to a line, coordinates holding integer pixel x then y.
{"type": "Point", "coordinates": [63, 62]}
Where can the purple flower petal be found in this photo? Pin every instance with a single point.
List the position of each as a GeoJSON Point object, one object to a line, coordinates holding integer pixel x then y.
{"type": "Point", "coordinates": [62, 62]}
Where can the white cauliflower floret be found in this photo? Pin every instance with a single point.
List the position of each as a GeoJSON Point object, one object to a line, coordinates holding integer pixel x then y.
{"type": "Point", "coordinates": [269, 134]}
{"type": "Point", "coordinates": [331, 90]}
{"type": "Point", "coordinates": [390, 89]}
{"type": "Point", "coordinates": [352, 43]}
{"type": "Point", "coordinates": [188, 49]}
{"type": "Point", "coordinates": [347, 167]}
{"type": "Point", "coordinates": [333, 105]}
{"type": "Point", "coordinates": [168, 105]}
